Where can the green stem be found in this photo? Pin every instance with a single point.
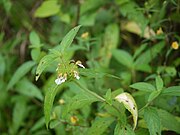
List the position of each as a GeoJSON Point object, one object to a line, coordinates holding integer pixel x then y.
{"type": "Point", "coordinates": [90, 92]}
{"type": "Point", "coordinates": [96, 95]}
{"type": "Point", "coordinates": [146, 105]}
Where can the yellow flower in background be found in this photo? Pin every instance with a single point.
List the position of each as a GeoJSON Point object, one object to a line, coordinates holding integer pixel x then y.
{"type": "Point", "coordinates": [61, 101]}
{"type": "Point", "coordinates": [74, 119]}
{"type": "Point", "coordinates": [175, 45]}
{"type": "Point", "coordinates": [85, 35]}
{"type": "Point", "coordinates": [159, 31]}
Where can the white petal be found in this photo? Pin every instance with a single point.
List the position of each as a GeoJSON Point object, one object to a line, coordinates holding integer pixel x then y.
{"type": "Point", "coordinates": [60, 80]}
{"type": "Point", "coordinates": [63, 79]}
{"type": "Point", "coordinates": [77, 77]}
{"type": "Point", "coordinates": [81, 65]}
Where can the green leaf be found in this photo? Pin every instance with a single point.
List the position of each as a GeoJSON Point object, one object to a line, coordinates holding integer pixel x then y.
{"type": "Point", "coordinates": [171, 71]}
{"type": "Point", "coordinates": [169, 121]}
{"type": "Point", "coordinates": [35, 53]}
{"type": "Point", "coordinates": [130, 104]}
{"type": "Point", "coordinates": [88, 19]}
{"type": "Point", "coordinates": [144, 68]}
{"type": "Point", "coordinates": [152, 119]}
{"type": "Point", "coordinates": [54, 124]}
{"type": "Point", "coordinates": [47, 8]}
{"type": "Point", "coordinates": [120, 130]}
{"type": "Point", "coordinates": [27, 88]}
{"type": "Point", "coordinates": [68, 39]}
{"type": "Point", "coordinates": [79, 101]}
{"type": "Point", "coordinates": [142, 86]}
{"type": "Point", "coordinates": [20, 72]}
{"type": "Point", "coordinates": [100, 125]}
{"type": "Point", "coordinates": [45, 62]}
{"type": "Point", "coordinates": [48, 102]}
{"type": "Point", "coordinates": [7, 5]}
{"type": "Point", "coordinates": [123, 57]}
{"type": "Point", "coordinates": [153, 95]}
{"type": "Point", "coordinates": [139, 50]}
{"type": "Point", "coordinates": [130, 10]}
{"type": "Point", "coordinates": [150, 54]}
{"type": "Point", "coordinates": [172, 91]}
{"type": "Point", "coordinates": [34, 38]}
{"type": "Point", "coordinates": [37, 125]}
{"type": "Point", "coordinates": [108, 97]}
{"type": "Point", "coordinates": [159, 83]}
{"type": "Point", "coordinates": [19, 113]}
{"type": "Point", "coordinates": [110, 42]}
{"type": "Point", "coordinates": [3, 65]}
{"type": "Point", "coordinates": [142, 131]}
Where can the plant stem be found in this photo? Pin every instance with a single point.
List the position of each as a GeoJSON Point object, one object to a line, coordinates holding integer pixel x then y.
{"type": "Point", "coordinates": [96, 95]}
{"type": "Point", "coordinates": [90, 92]}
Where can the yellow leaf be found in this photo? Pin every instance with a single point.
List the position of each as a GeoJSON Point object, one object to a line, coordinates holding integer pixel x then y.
{"type": "Point", "coordinates": [129, 104]}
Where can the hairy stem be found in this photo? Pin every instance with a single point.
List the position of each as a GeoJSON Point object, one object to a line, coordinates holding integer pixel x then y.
{"type": "Point", "coordinates": [96, 95]}
{"type": "Point", "coordinates": [90, 92]}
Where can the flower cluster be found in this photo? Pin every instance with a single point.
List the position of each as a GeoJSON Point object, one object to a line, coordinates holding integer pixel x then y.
{"type": "Point", "coordinates": [66, 69]}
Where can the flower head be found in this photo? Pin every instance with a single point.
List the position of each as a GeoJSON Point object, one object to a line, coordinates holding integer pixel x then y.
{"type": "Point", "coordinates": [159, 31]}
{"type": "Point", "coordinates": [76, 75]}
{"type": "Point", "coordinates": [175, 45]}
{"type": "Point", "coordinates": [61, 101]}
{"type": "Point", "coordinates": [68, 69]}
{"type": "Point", "coordinates": [74, 119]}
{"type": "Point", "coordinates": [61, 79]}
{"type": "Point", "coordinates": [85, 35]}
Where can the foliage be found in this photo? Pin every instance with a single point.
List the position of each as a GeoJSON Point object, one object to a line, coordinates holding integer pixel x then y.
{"type": "Point", "coordinates": [108, 67]}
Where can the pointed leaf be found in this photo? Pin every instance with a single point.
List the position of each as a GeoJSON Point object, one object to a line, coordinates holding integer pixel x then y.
{"type": "Point", "coordinates": [123, 57]}
{"type": "Point", "coordinates": [27, 88]}
{"type": "Point", "coordinates": [34, 38]}
{"type": "Point", "coordinates": [38, 124]}
{"type": "Point", "coordinates": [120, 130]}
{"type": "Point", "coordinates": [78, 102]}
{"type": "Point", "coordinates": [153, 95]}
{"type": "Point", "coordinates": [129, 104]}
{"type": "Point", "coordinates": [47, 8]}
{"type": "Point", "coordinates": [48, 103]}
{"type": "Point", "coordinates": [100, 125]}
{"type": "Point", "coordinates": [150, 54]}
{"type": "Point", "coordinates": [172, 91]}
{"type": "Point", "coordinates": [142, 86]}
{"type": "Point", "coordinates": [152, 119]}
{"type": "Point", "coordinates": [45, 62]}
{"type": "Point", "coordinates": [108, 97]}
{"type": "Point", "coordinates": [159, 83]}
{"type": "Point", "coordinates": [19, 113]}
{"type": "Point", "coordinates": [68, 39]}
{"type": "Point", "coordinates": [20, 72]}
{"type": "Point", "coordinates": [111, 39]}
{"type": "Point", "coordinates": [169, 121]}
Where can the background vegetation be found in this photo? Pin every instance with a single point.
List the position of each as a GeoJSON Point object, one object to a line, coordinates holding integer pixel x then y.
{"type": "Point", "coordinates": [126, 46]}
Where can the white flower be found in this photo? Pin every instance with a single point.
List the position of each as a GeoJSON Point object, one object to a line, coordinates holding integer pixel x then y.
{"type": "Point", "coordinates": [76, 75]}
{"type": "Point", "coordinates": [60, 80]}
{"type": "Point", "coordinates": [81, 65]}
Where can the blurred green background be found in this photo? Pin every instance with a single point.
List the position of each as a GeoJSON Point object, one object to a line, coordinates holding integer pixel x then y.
{"type": "Point", "coordinates": [133, 40]}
